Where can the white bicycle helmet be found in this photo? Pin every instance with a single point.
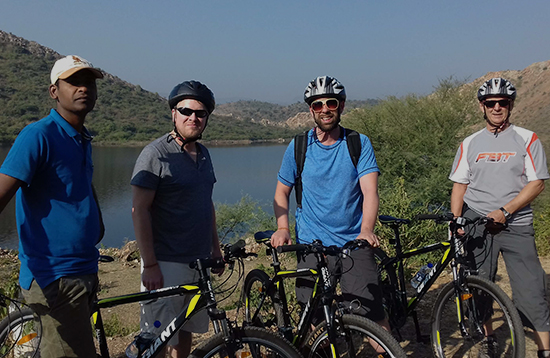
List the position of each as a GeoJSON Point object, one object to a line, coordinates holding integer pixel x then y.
{"type": "Point", "coordinates": [496, 87]}
{"type": "Point", "coordinates": [324, 86]}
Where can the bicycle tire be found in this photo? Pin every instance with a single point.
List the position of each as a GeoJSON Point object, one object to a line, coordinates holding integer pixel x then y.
{"type": "Point", "coordinates": [361, 331]}
{"type": "Point", "coordinates": [255, 288]}
{"type": "Point", "coordinates": [256, 342]}
{"type": "Point", "coordinates": [20, 334]}
{"type": "Point", "coordinates": [447, 340]}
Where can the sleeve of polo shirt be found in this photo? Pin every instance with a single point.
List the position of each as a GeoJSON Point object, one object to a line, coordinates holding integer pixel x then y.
{"type": "Point", "coordinates": [535, 160]}
{"type": "Point", "coordinates": [26, 156]}
{"type": "Point", "coordinates": [460, 172]}
{"type": "Point", "coordinates": [367, 160]}
{"type": "Point", "coordinates": [148, 169]}
{"type": "Point", "coordinates": [287, 173]}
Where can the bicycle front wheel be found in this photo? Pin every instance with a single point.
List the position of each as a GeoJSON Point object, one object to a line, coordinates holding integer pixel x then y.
{"type": "Point", "coordinates": [261, 307]}
{"type": "Point", "coordinates": [357, 337]}
{"type": "Point", "coordinates": [250, 342]}
{"type": "Point", "coordinates": [20, 334]}
{"type": "Point", "coordinates": [483, 304]}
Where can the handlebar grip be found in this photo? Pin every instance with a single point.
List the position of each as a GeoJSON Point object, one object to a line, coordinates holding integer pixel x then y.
{"type": "Point", "coordinates": [290, 248]}
{"type": "Point", "coordinates": [428, 217]}
{"type": "Point", "coordinates": [236, 248]}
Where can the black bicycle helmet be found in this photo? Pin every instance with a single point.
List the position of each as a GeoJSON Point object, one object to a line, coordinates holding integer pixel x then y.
{"type": "Point", "coordinates": [496, 87]}
{"type": "Point", "coordinates": [324, 86]}
{"type": "Point", "coordinates": [193, 90]}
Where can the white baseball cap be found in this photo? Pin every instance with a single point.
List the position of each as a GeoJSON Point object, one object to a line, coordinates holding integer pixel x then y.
{"type": "Point", "coordinates": [69, 65]}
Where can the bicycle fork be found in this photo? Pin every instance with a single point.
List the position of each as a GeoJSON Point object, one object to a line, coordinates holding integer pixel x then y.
{"type": "Point", "coordinates": [465, 298]}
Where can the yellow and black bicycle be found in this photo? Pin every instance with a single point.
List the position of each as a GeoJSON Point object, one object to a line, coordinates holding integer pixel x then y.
{"type": "Point", "coordinates": [229, 340]}
{"type": "Point", "coordinates": [465, 307]}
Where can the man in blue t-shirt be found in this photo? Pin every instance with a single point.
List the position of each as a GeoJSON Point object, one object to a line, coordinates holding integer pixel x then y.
{"type": "Point", "coordinates": [58, 217]}
{"type": "Point", "coordinates": [339, 200]}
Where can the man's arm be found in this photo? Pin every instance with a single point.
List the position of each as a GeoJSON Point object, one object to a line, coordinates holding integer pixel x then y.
{"type": "Point", "coordinates": [216, 250]}
{"type": "Point", "coordinates": [142, 201]}
{"type": "Point", "coordinates": [101, 223]}
{"type": "Point", "coordinates": [457, 198]}
{"type": "Point", "coordinates": [525, 197]}
{"type": "Point", "coordinates": [280, 209]}
{"type": "Point", "coordinates": [371, 202]}
{"type": "Point", "coordinates": [8, 187]}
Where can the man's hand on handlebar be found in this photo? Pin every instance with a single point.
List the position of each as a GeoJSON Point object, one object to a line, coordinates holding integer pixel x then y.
{"type": "Point", "coordinates": [280, 238]}
{"type": "Point", "coordinates": [370, 237]}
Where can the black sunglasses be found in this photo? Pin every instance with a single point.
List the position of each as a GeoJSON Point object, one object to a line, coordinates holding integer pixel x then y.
{"type": "Point", "coordinates": [200, 113]}
{"type": "Point", "coordinates": [501, 102]}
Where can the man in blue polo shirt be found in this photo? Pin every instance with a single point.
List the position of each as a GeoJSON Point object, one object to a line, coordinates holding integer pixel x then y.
{"type": "Point", "coordinates": [58, 216]}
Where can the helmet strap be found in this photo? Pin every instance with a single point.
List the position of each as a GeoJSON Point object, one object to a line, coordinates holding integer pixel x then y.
{"type": "Point", "coordinates": [495, 127]}
{"type": "Point", "coordinates": [184, 141]}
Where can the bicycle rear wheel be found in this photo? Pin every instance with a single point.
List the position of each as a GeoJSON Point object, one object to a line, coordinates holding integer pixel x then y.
{"type": "Point", "coordinates": [254, 343]}
{"type": "Point", "coordinates": [20, 334]}
{"type": "Point", "coordinates": [482, 302]}
{"type": "Point", "coordinates": [357, 337]}
{"type": "Point", "coordinates": [255, 289]}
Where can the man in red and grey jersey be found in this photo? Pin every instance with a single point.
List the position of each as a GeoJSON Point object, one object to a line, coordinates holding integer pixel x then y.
{"type": "Point", "coordinates": [498, 172]}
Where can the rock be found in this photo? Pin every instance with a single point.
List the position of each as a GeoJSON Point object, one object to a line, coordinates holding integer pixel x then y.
{"type": "Point", "coordinates": [129, 252]}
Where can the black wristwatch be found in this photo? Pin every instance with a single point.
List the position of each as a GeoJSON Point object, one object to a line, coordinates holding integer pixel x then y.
{"type": "Point", "coordinates": [507, 215]}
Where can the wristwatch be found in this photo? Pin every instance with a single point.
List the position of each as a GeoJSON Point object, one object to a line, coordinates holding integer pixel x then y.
{"type": "Point", "coordinates": [507, 215]}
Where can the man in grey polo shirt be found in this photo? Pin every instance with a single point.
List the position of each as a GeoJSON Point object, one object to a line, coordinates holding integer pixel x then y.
{"type": "Point", "coordinates": [497, 173]}
{"type": "Point", "coordinates": [172, 210]}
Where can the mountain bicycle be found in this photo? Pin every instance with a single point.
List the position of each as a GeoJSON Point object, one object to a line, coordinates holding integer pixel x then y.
{"type": "Point", "coordinates": [463, 306]}
{"type": "Point", "coordinates": [340, 334]}
{"type": "Point", "coordinates": [20, 329]}
{"type": "Point", "coordinates": [229, 339]}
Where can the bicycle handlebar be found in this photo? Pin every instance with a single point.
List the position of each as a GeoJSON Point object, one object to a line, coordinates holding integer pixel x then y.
{"type": "Point", "coordinates": [316, 247]}
{"type": "Point", "coordinates": [231, 252]}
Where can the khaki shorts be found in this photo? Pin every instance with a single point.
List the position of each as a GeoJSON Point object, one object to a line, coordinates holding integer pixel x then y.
{"type": "Point", "coordinates": [64, 307]}
{"type": "Point", "coordinates": [166, 309]}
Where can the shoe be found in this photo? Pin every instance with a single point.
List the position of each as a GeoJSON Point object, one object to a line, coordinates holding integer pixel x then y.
{"type": "Point", "coordinates": [488, 348]}
{"type": "Point", "coordinates": [543, 354]}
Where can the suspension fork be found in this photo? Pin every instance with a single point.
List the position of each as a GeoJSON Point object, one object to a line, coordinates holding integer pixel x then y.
{"type": "Point", "coordinates": [462, 295]}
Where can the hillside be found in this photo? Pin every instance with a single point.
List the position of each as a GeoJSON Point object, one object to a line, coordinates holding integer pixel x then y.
{"type": "Point", "coordinates": [124, 113]}
{"type": "Point", "coordinates": [127, 114]}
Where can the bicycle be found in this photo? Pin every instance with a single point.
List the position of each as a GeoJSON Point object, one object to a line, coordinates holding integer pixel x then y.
{"type": "Point", "coordinates": [468, 300]}
{"type": "Point", "coordinates": [20, 329]}
{"type": "Point", "coordinates": [340, 334]}
{"type": "Point", "coordinates": [229, 339]}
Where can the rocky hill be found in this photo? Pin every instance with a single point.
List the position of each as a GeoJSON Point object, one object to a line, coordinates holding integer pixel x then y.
{"type": "Point", "coordinates": [125, 113]}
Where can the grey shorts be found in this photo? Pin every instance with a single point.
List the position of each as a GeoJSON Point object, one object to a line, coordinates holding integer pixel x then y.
{"type": "Point", "coordinates": [65, 307]}
{"type": "Point", "coordinates": [165, 310]}
{"type": "Point", "coordinates": [359, 283]}
{"type": "Point", "coordinates": [527, 277]}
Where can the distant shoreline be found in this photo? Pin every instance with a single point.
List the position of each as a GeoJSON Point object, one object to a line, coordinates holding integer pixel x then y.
{"type": "Point", "coordinates": [212, 143]}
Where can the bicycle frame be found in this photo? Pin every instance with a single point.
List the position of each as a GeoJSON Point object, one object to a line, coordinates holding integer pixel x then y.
{"type": "Point", "coordinates": [203, 297]}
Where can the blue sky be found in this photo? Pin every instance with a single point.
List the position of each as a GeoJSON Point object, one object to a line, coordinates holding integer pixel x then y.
{"type": "Point", "coordinates": [270, 50]}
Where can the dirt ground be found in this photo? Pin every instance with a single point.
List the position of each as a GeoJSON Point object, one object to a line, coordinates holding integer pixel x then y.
{"type": "Point", "coordinates": [119, 278]}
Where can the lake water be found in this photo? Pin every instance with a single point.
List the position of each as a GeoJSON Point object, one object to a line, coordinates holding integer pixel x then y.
{"type": "Point", "coordinates": [247, 170]}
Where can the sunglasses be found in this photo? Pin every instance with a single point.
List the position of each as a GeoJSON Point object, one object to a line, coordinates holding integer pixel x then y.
{"type": "Point", "coordinates": [331, 103]}
{"type": "Point", "coordinates": [200, 113]}
{"type": "Point", "coordinates": [501, 102]}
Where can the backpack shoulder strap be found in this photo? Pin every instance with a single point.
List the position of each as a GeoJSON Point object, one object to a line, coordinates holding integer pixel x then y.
{"type": "Point", "coordinates": [300, 147]}
{"type": "Point", "coordinates": [354, 145]}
